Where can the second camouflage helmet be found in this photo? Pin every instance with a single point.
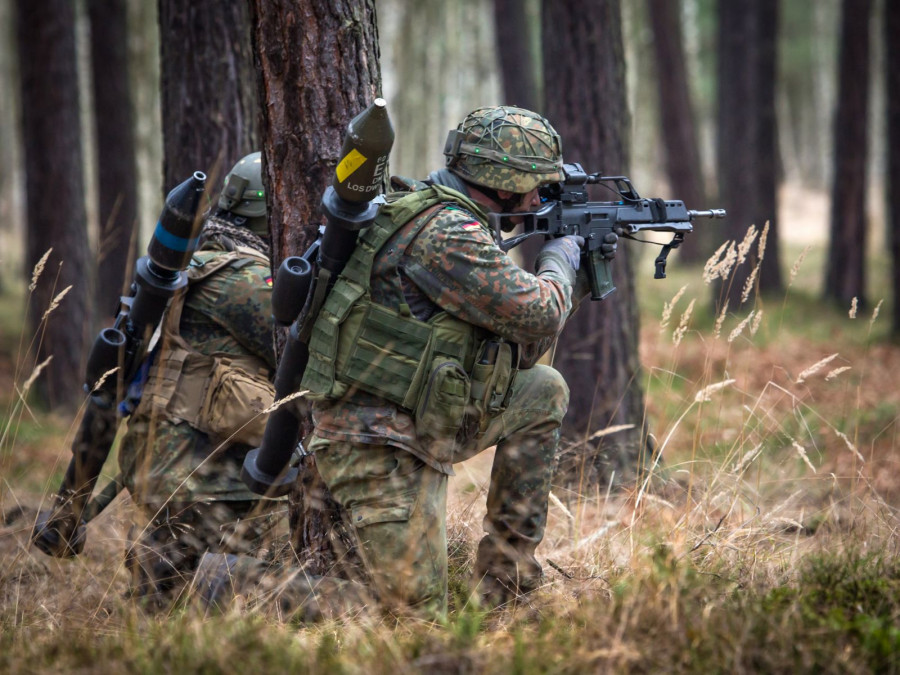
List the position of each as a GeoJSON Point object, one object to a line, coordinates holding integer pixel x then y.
{"type": "Point", "coordinates": [243, 192]}
{"type": "Point", "coordinates": [505, 148]}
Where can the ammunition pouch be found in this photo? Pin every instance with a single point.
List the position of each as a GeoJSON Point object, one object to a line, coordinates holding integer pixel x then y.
{"type": "Point", "coordinates": [441, 410]}
{"type": "Point", "coordinates": [492, 377]}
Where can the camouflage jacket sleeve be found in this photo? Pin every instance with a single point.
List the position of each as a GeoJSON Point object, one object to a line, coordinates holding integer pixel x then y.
{"type": "Point", "coordinates": [531, 352]}
{"type": "Point", "coordinates": [457, 264]}
{"type": "Point", "coordinates": [231, 312]}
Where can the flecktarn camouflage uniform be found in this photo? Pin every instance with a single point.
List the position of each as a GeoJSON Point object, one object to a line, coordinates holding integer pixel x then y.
{"type": "Point", "coordinates": [184, 479]}
{"type": "Point", "coordinates": [389, 476]}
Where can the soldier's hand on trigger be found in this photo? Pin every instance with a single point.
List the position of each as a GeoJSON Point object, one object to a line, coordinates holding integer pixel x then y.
{"type": "Point", "coordinates": [569, 247]}
{"type": "Point", "coordinates": [610, 245]}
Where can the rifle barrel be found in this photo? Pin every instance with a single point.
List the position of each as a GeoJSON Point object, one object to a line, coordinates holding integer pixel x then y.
{"type": "Point", "coordinates": [709, 213]}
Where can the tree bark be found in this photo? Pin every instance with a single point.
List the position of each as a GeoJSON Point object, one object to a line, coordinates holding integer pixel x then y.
{"type": "Point", "coordinates": [584, 72]}
{"type": "Point", "coordinates": [892, 88]}
{"type": "Point", "coordinates": [747, 157]}
{"type": "Point", "coordinates": [318, 66]}
{"type": "Point", "coordinates": [55, 195]}
{"type": "Point", "coordinates": [845, 271]}
{"type": "Point", "coordinates": [210, 116]}
{"type": "Point", "coordinates": [116, 158]}
{"type": "Point", "coordinates": [681, 148]}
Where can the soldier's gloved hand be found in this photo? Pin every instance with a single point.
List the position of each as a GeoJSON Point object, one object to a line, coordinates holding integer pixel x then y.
{"type": "Point", "coordinates": [561, 256]}
{"type": "Point", "coordinates": [609, 246]}
{"type": "Point", "coordinates": [57, 534]}
{"type": "Point", "coordinates": [569, 247]}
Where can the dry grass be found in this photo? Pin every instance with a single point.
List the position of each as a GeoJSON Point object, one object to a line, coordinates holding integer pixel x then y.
{"type": "Point", "coordinates": [762, 537]}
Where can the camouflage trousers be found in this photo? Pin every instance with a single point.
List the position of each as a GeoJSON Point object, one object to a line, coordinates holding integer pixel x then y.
{"type": "Point", "coordinates": [163, 555]}
{"type": "Point", "coordinates": [397, 504]}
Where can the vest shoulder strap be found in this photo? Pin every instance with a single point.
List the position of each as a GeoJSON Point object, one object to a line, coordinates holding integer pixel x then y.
{"type": "Point", "coordinates": [421, 206]}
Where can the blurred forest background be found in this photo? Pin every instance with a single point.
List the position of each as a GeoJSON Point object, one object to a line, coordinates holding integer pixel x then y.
{"type": "Point", "coordinates": [771, 517]}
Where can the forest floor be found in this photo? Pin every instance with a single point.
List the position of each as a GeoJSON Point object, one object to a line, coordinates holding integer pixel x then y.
{"type": "Point", "coordinates": [762, 539]}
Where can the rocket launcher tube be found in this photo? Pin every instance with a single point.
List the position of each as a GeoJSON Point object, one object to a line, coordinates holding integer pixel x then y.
{"type": "Point", "coordinates": [158, 276]}
{"type": "Point", "coordinates": [177, 231]}
{"type": "Point", "coordinates": [348, 208]}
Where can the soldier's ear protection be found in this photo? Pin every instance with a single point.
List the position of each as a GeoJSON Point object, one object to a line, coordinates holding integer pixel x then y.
{"type": "Point", "coordinates": [235, 192]}
{"type": "Point", "coordinates": [455, 139]}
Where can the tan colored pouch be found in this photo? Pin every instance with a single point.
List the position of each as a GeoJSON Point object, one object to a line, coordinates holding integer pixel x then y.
{"type": "Point", "coordinates": [234, 402]}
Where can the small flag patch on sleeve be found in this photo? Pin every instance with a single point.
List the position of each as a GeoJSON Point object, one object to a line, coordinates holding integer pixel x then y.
{"type": "Point", "coordinates": [471, 226]}
{"type": "Point", "coordinates": [269, 282]}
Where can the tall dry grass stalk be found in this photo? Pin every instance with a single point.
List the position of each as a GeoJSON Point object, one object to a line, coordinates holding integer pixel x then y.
{"type": "Point", "coordinates": [815, 368]}
{"type": "Point", "coordinates": [795, 268]}
{"type": "Point", "coordinates": [736, 332]}
{"type": "Point", "coordinates": [38, 270]}
{"type": "Point", "coordinates": [720, 263]}
{"type": "Point", "coordinates": [678, 335]}
{"type": "Point", "coordinates": [669, 306]}
{"type": "Point", "coordinates": [744, 247]}
{"type": "Point", "coordinates": [280, 402]}
{"type": "Point", "coordinates": [875, 314]}
{"type": "Point", "coordinates": [55, 302]}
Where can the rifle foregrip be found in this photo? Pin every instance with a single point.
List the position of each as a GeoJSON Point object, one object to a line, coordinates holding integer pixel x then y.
{"type": "Point", "coordinates": [600, 274]}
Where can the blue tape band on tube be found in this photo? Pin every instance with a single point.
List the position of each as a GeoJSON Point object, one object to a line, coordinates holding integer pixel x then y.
{"type": "Point", "coordinates": [173, 241]}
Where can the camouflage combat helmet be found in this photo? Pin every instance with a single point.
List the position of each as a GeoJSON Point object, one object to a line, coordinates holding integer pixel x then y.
{"type": "Point", "coordinates": [505, 148]}
{"type": "Point", "coordinates": [243, 192]}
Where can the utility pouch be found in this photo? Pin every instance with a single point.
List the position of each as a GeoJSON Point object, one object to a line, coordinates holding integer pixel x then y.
{"type": "Point", "coordinates": [233, 403]}
{"type": "Point", "coordinates": [441, 408]}
{"type": "Point", "coordinates": [382, 352]}
{"type": "Point", "coordinates": [492, 376]}
{"type": "Point", "coordinates": [162, 383]}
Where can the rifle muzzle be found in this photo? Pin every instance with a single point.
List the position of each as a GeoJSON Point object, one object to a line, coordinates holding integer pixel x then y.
{"type": "Point", "coordinates": [709, 213]}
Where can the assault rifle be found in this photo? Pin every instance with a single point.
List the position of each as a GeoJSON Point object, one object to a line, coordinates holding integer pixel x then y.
{"type": "Point", "coordinates": [566, 210]}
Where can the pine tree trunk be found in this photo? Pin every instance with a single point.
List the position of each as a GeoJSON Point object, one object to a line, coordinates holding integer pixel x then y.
{"type": "Point", "coordinates": [116, 160]}
{"type": "Point", "coordinates": [681, 148]}
{"type": "Point", "coordinates": [584, 72]}
{"type": "Point", "coordinates": [318, 66]}
{"type": "Point", "coordinates": [746, 144]}
{"type": "Point", "coordinates": [518, 64]}
{"type": "Point", "coordinates": [892, 72]}
{"type": "Point", "coordinates": [209, 104]}
{"type": "Point", "coordinates": [518, 78]}
{"type": "Point", "coordinates": [845, 272]}
{"type": "Point", "coordinates": [55, 195]}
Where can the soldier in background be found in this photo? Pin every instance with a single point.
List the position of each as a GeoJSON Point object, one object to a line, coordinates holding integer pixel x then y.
{"type": "Point", "coordinates": [194, 411]}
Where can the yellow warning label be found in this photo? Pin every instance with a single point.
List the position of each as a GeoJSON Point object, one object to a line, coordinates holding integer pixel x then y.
{"type": "Point", "coordinates": [349, 164]}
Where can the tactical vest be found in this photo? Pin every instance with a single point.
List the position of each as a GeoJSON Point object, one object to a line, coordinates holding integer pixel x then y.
{"type": "Point", "coordinates": [220, 394]}
{"type": "Point", "coordinates": [426, 367]}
